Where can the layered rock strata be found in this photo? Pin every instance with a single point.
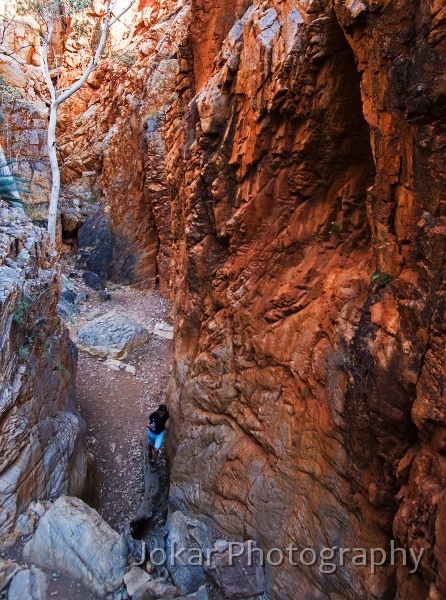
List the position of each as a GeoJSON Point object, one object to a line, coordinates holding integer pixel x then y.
{"type": "Point", "coordinates": [306, 172]}
{"type": "Point", "coordinates": [41, 439]}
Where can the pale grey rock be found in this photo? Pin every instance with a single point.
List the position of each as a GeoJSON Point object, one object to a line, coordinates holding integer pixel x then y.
{"type": "Point", "coordinates": [112, 335]}
{"type": "Point", "coordinates": [201, 594]}
{"type": "Point", "coordinates": [81, 297]}
{"type": "Point", "coordinates": [155, 589]}
{"type": "Point", "coordinates": [8, 569]}
{"type": "Point", "coordinates": [73, 538]}
{"type": "Point", "coordinates": [135, 579]}
{"type": "Point", "coordinates": [220, 545]}
{"type": "Point", "coordinates": [163, 330]}
{"type": "Point", "coordinates": [117, 365]}
{"type": "Point", "coordinates": [356, 8]}
{"type": "Point", "coordinates": [29, 584]}
{"type": "Point", "coordinates": [191, 535]}
{"type": "Point", "coordinates": [25, 524]}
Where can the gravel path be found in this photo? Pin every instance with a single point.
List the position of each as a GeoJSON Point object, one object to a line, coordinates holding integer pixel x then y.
{"type": "Point", "coordinates": [116, 405]}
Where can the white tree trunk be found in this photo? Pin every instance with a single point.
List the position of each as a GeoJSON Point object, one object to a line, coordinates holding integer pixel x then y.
{"type": "Point", "coordinates": [55, 173]}
{"type": "Point", "coordinates": [56, 100]}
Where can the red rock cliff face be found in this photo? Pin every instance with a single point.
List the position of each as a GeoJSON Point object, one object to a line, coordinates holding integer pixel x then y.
{"type": "Point", "coordinates": [112, 143]}
{"type": "Point", "coordinates": [308, 226]}
{"type": "Point", "coordinates": [210, 25]}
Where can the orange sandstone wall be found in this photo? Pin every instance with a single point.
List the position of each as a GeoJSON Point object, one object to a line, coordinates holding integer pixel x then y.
{"type": "Point", "coordinates": [306, 175]}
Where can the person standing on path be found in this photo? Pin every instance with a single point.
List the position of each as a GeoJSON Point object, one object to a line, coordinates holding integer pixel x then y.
{"type": "Point", "coordinates": [156, 428]}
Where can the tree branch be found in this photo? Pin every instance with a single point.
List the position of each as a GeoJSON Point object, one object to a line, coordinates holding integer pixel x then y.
{"type": "Point", "coordinates": [113, 21]}
{"type": "Point", "coordinates": [45, 66]}
{"type": "Point", "coordinates": [12, 55]}
{"type": "Point", "coordinates": [94, 61]}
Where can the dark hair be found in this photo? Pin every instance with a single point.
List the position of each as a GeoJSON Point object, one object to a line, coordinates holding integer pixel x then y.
{"type": "Point", "coordinates": [162, 408]}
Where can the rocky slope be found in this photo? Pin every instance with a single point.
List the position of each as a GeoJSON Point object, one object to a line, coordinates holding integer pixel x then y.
{"type": "Point", "coordinates": [306, 170]}
{"type": "Point", "coordinates": [42, 440]}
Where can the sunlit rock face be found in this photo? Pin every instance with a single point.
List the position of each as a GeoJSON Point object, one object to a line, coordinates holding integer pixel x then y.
{"type": "Point", "coordinates": [306, 173]}
{"type": "Point", "coordinates": [110, 136]}
{"type": "Point", "coordinates": [112, 141]}
{"type": "Point", "coordinates": [24, 112]}
{"type": "Point", "coordinates": [41, 439]}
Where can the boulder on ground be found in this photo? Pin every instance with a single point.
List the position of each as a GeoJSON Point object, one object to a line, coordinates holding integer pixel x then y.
{"type": "Point", "coordinates": [112, 335]}
{"type": "Point", "coordinates": [117, 365]}
{"type": "Point", "coordinates": [81, 297]}
{"type": "Point", "coordinates": [93, 281]}
{"type": "Point", "coordinates": [73, 538]}
{"type": "Point", "coordinates": [239, 575]}
{"type": "Point", "coordinates": [163, 330]}
{"type": "Point", "coordinates": [156, 588]}
{"type": "Point", "coordinates": [65, 306]}
{"type": "Point", "coordinates": [29, 584]}
{"type": "Point", "coordinates": [135, 579]}
{"type": "Point", "coordinates": [69, 296]}
{"type": "Point", "coordinates": [189, 537]}
{"type": "Point", "coordinates": [71, 219]}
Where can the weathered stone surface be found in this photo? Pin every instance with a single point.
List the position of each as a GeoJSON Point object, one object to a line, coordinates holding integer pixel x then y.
{"type": "Point", "coordinates": [81, 297]}
{"type": "Point", "coordinates": [8, 569]}
{"type": "Point", "coordinates": [93, 281]}
{"type": "Point", "coordinates": [111, 335]}
{"type": "Point", "coordinates": [151, 493]}
{"type": "Point", "coordinates": [95, 245]}
{"type": "Point", "coordinates": [73, 538]}
{"type": "Point", "coordinates": [156, 588]}
{"type": "Point", "coordinates": [135, 578]}
{"type": "Point", "coordinates": [29, 584]}
{"type": "Point", "coordinates": [117, 365]}
{"type": "Point", "coordinates": [193, 536]}
{"type": "Point", "coordinates": [69, 296]}
{"type": "Point", "coordinates": [200, 594]}
{"type": "Point", "coordinates": [237, 575]}
{"type": "Point", "coordinates": [163, 330]}
{"type": "Point", "coordinates": [308, 157]}
{"type": "Point", "coordinates": [305, 157]}
{"type": "Point", "coordinates": [41, 439]}
{"type": "Point", "coordinates": [112, 143]}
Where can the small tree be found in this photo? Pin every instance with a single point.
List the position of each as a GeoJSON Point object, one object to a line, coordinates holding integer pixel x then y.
{"type": "Point", "coordinates": [47, 14]}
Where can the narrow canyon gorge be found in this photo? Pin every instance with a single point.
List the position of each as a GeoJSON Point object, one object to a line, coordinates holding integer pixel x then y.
{"type": "Point", "coordinates": [253, 194]}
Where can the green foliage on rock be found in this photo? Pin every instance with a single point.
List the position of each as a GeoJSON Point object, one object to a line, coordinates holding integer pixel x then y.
{"type": "Point", "coordinates": [124, 57]}
{"type": "Point", "coordinates": [11, 184]}
{"type": "Point", "coordinates": [21, 311]}
{"type": "Point", "coordinates": [335, 229]}
{"type": "Point", "coordinates": [48, 9]}
{"type": "Point", "coordinates": [381, 278]}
